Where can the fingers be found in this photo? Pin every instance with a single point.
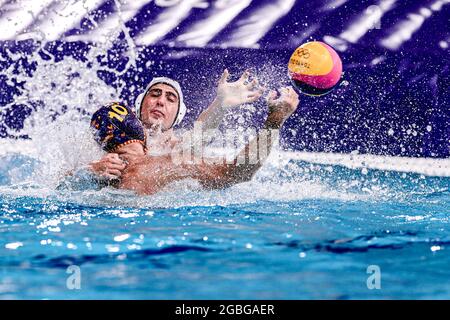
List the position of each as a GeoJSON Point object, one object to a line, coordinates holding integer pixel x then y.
{"type": "Point", "coordinates": [115, 173]}
{"type": "Point", "coordinates": [113, 166]}
{"type": "Point", "coordinates": [224, 76]}
{"type": "Point", "coordinates": [110, 166]}
{"type": "Point", "coordinates": [292, 96]}
{"type": "Point", "coordinates": [294, 93]}
{"type": "Point", "coordinates": [254, 96]}
{"type": "Point", "coordinates": [109, 176]}
{"type": "Point", "coordinates": [284, 91]}
{"type": "Point", "coordinates": [252, 84]}
{"type": "Point", "coordinates": [114, 163]}
{"type": "Point", "coordinates": [255, 90]}
{"type": "Point", "coordinates": [253, 99]}
{"type": "Point", "coordinates": [112, 158]}
{"type": "Point", "coordinates": [271, 96]}
{"type": "Point", "coordinates": [288, 93]}
{"type": "Point", "coordinates": [273, 93]}
{"type": "Point", "coordinates": [110, 173]}
{"type": "Point", "coordinates": [244, 77]}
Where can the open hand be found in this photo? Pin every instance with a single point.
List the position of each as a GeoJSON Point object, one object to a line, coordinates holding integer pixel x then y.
{"type": "Point", "coordinates": [239, 92]}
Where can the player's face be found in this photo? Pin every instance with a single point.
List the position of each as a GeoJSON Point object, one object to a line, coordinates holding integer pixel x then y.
{"type": "Point", "coordinates": [160, 106]}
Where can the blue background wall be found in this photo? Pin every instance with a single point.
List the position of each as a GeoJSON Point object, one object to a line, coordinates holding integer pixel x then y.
{"type": "Point", "coordinates": [394, 99]}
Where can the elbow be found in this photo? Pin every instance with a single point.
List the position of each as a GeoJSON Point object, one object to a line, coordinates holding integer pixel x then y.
{"type": "Point", "coordinates": [246, 177]}
{"type": "Point", "coordinates": [232, 177]}
{"type": "Point", "coordinates": [221, 177]}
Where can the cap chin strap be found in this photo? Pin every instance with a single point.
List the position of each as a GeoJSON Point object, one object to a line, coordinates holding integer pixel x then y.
{"type": "Point", "coordinates": [175, 85]}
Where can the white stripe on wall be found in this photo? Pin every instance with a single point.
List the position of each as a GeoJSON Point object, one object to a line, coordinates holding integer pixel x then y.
{"type": "Point", "coordinates": [405, 29]}
{"type": "Point", "coordinates": [370, 19]}
{"type": "Point", "coordinates": [19, 15]}
{"type": "Point", "coordinates": [111, 24]}
{"type": "Point", "coordinates": [166, 22]}
{"type": "Point", "coordinates": [219, 16]}
{"type": "Point", "coordinates": [252, 29]}
{"type": "Point", "coordinates": [64, 17]}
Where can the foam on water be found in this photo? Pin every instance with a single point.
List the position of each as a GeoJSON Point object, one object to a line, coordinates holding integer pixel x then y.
{"type": "Point", "coordinates": [30, 169]}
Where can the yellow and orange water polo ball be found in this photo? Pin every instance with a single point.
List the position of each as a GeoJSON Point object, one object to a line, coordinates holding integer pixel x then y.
{"type": "Point", "coordinates": [315, 68]}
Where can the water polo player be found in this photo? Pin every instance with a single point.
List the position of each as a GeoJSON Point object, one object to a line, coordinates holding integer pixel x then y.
{"type": "Point", "coordinates": [161, 106]}
{"type": "Point", "coordinates": [119, 132]}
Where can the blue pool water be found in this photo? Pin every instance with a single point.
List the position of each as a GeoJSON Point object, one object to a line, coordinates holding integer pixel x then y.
{"type": "Point", "coordinates": [298, 231]}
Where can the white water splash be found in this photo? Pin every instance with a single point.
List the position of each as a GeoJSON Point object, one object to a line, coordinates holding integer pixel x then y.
{"type": "Point", "coordinates": [61, 95]}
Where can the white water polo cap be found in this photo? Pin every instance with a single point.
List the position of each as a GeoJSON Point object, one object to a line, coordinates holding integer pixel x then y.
{"type": "Point", "coordinates": [174, 84]}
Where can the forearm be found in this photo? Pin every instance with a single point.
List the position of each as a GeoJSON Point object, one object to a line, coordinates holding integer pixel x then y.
{"type": "Point", "coordinates": [244, 166]}
{"type": "Point", "coordinates": [212, 116]}
{"type": "Point", "coordinates": [255, 153]}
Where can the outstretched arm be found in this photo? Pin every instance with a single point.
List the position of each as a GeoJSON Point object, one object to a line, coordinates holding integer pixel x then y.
{"type": "Point", "coordinates": [224, 175]}
{"type": "Point", "coordinates": [229, 94]}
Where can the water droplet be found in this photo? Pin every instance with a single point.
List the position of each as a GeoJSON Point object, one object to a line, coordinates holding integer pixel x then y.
{"type": "Point", "coordinates": [13, 245]}
{"type": "Point", "coordinates": [121, 237]}
{"type": "Point", "coordinates": [71, 246]}
{"type": "Point", "coordinates": [435, 248]}
{"type": "Point", "coordinates": [112, 248]}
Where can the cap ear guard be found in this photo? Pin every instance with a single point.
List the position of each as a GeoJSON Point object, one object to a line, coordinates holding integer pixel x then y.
{"type": "Point", "coordinates": [181, 113]}
{"type": "Point", "coordinates": [138, 103]}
